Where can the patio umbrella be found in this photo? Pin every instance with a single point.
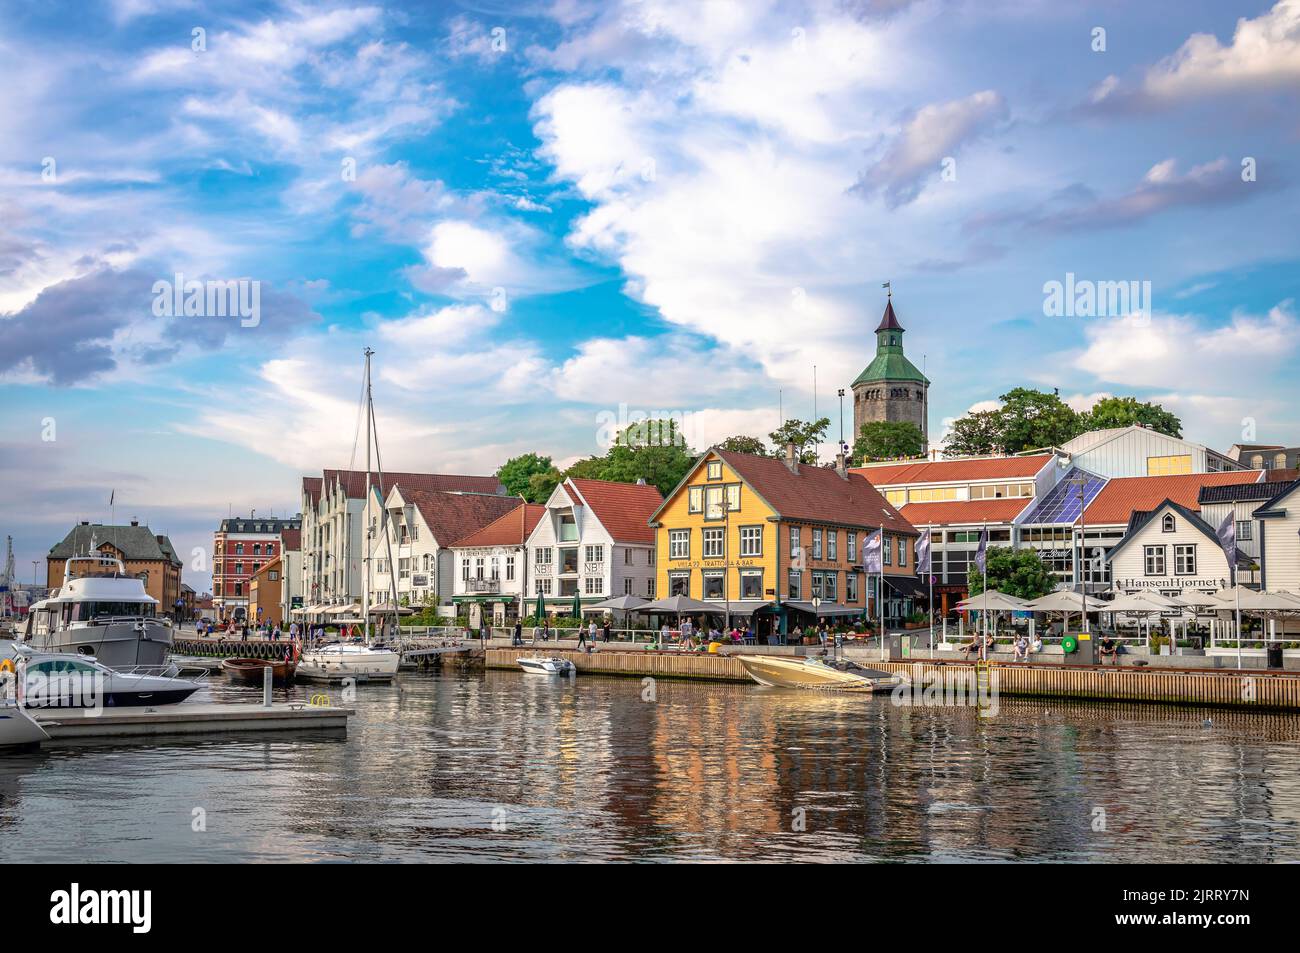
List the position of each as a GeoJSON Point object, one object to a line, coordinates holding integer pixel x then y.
{"type": "Point", "coordinates": [1141, 604]}
{"type": "Point", "coordinates": [577, 605]}
{"type": "Point", "coordinates": [670, 605]}
{"type": "Point", "coordinates": [622, 603]}
{"type": "Point", "coordinates": [1063, 601]}
{"type": "Point", "coordinates": [539, 612]}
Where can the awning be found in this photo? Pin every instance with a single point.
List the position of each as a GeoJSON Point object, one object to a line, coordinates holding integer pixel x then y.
{"type": "Point", "coordinates": [906, 586]}
{"type": "Point", "coordinates": [827, 609]}
{"type": "Point", "coordinates": [343, 610]}
{"type": "Point", "coordinates": [484, 599]}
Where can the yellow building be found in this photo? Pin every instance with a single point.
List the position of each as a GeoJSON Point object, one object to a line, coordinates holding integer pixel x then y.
{"type": "Point", "coordinates": [763, 538]}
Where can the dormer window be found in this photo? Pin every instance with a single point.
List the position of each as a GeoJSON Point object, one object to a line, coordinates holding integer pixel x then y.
{"type": "Point", "coordinates": [1167, 524]}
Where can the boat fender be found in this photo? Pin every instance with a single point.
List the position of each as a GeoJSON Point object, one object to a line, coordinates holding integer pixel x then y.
{"type": "Point", "coordinates": [1069, 644]}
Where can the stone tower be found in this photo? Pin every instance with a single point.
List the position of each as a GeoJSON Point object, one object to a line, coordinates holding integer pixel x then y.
{"type": "Point", "coordinates": [890, 388]}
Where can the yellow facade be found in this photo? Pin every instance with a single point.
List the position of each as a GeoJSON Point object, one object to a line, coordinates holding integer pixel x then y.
{"type": "Point", "coordinates": [744, 521]}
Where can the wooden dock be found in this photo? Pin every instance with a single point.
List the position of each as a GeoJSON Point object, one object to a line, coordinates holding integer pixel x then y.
{"type": "Point", "coordinates": [72, 724]}
{"type": "Point", "coordinates": [1253, 689]}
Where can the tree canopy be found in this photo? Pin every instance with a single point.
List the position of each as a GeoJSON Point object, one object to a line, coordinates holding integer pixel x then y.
{"type": "Point", "coordinates": [1017, 572]}
{"type": "Point", "coordinates": [517, 473]}
{"type": "Point", "coordinates": [804, 436]}
{"type": "Point", "coordinates": [743, 444]}
{"type": "Point", "coordinates": [888, 440]}
{"type": "Point", "coordinates": [1030, 419]}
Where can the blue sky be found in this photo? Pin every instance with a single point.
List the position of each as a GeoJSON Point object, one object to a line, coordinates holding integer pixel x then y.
{"type": "Point", "coordinates": [544, 214]}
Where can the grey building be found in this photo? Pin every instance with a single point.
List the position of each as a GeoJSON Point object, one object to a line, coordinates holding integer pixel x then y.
{"type": "Point", "coordinates": [890, 387]}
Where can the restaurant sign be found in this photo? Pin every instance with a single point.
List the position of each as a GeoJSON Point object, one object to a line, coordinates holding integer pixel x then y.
{"type": "Point", "coordinates": [1174, 583]}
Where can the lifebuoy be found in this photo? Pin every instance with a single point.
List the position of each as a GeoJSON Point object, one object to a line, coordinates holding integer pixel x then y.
{"type": "Point", "coordinates": [1069, 644]}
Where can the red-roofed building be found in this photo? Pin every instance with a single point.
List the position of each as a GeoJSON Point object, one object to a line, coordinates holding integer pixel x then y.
{"type": "Point", "coordinates": [491, 564]}
{"type": "Point", "coordinates": [594, 540]}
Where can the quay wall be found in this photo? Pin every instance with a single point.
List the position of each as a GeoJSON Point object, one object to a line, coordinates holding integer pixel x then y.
{"type": "Point", "coordinates": [1235, 689]}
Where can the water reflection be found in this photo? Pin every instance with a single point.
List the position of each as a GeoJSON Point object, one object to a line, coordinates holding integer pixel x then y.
{"type": "Point", "coordinates": [507, 766]}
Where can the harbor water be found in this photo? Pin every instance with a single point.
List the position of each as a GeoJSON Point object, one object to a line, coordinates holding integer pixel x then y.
{"type": "Point", "coordinates": [501, 766]}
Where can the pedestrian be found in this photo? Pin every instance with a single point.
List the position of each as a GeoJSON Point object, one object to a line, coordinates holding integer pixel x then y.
{"type": "Point", "coordinates": [605, 630]}
{"type": "Point", "coordinates": [519, 633]}
{"type": "Point", "coordinates": [664, 632]}
{"type": "Point", "coordinates": [293, 631]}
{"type": "Point", "coordinates": [582, 635]}
{"type": "Point", "coordinates": [591, 631]}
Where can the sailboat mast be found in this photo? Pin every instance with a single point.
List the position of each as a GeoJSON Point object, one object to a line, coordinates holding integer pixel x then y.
{"type": "Point", "coordinates": [365, 530]}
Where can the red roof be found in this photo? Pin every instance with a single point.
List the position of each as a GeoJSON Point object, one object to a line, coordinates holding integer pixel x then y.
{"type": "Point", "coordinates": [453, 516]}
{"type": "Point", "coordinates": [354, 482]}
{"type": "Point", "coordinates": [509, 530]}
{"type": "Point", "coordinates": [965, 512]}
{"type": "Point", "coordinates": [624, 509]}
{"type": "Point", "coordinates": [952, 471]}
{"type": "Point", "coordinates": [290, 539]}
{"type": "Point", "coordinates": [1281, 475]}
{"type": "Point", "coordinates": [816, 493]}
{"type": "Point", "coordinates": [1123, 496]}
{"type": "Point", "coordinates": [311, 486]}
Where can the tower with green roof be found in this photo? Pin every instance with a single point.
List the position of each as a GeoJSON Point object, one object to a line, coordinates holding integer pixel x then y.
{"type": "Point", "coordinates": [890, 387]}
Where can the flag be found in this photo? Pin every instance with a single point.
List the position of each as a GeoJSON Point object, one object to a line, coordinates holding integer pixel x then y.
{"type": "Point", "coordinates": [923, 552]}
{"type": "Point", "coordinates": [1227, 534]}
{"type": "Point", "coordinates": [111, 496]}
{"type": "Point", "coordinates": [981, 558]}
{"type": "Point", "coordinates": [871, 553]}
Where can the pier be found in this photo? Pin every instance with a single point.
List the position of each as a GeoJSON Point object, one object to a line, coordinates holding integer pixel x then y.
{"type": "Point", "coordinates": [1251, 689]}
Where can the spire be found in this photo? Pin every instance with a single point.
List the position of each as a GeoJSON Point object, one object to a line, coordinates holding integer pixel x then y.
{"type": "Point", "coordinates": [889, 322]}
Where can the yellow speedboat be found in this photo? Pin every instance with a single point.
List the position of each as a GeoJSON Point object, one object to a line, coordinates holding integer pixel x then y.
{"type": "Point", "coordinates": [782, 671]}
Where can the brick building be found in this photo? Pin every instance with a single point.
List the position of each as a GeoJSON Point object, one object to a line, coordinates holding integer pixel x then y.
{"type": "Point", "coordinates": [240, 547]}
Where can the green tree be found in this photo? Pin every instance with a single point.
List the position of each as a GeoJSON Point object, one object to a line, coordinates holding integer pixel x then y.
{"type": "Point", "coordinates": [977, 434]}
{"type": "Point", "coordinates": [542, 485]}
{"type": "Point", "coordinates": [887, 440]}
{"type": "Point", "coordinates": [1017, 572]}
{"type": "Point", "coordinates": [1127, 411]}
{"type": "Point", "coordinates": [516, 474]}
{"type": "Point", "coordinates": [1032, 419]}
{"type": "Point", "coordinates": [804, 436]}
{"type": "Point", "coordinates": [652, 450]}
{"type": "Point", "coordinates": [742, 444]}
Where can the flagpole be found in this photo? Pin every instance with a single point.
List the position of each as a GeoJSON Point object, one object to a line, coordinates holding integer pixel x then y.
{"type": "Point", "coordinates": [984, 651]}
{"type": "Point", "coordinates": [1232, 569]}
{"type": "Point", "coordinates": [929, 572]}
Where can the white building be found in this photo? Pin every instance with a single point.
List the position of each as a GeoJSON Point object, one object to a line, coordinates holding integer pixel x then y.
{"type": "Point", "coordinates": [1169, 549]}
{"type": "Point", "coordinates": [492, 565]}
{"type": "Point", "coordinates": [331, 526]}
{"type": "Point", "coordinates": [1278, 520]}
{"type": "Point", "coordinates": [594, 540]}
{"type": "Point", "coordinates": [1139, 451]}
{"type": "Point", "coordinates": [422, 526]}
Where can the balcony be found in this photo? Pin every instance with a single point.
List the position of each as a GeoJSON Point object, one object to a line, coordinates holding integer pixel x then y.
{"type": "Point", "coordinates": [475, 585]}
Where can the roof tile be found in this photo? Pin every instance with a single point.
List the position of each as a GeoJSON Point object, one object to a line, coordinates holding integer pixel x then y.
{"type": "Point", "coordinates": [624, 509]}
{"type": "Point", "coordinates": [1122, 496]}
{"type": "Point", "coordinates": [951, 471]}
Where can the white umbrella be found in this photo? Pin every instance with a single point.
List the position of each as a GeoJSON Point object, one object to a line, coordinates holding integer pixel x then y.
{"type": "Point", "coordinates": [994, 601]}
{"type": "Point", "coordinates": [1063, 600]}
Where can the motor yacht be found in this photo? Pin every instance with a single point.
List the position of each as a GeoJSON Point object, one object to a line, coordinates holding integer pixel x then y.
{"type": "Point", "coordinates": [552, 665]}
{"type": "Point", "coordinates": [65, 680]}
{"type": "Point", "coordinates": [341, 660]}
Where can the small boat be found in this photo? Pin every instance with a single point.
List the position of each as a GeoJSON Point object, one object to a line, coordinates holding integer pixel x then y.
{"type": "Point", "coordinates": [64, 680]}
{"type": "Point", "coordinates": [359, 661]}
{"type": "Point", "coordinates": [782, 671]}
{"type": "Point", "coordinates": [18, 730]}
{"type": "Point", "coordinates": [251, 669]}
{"type": "Point", "coordinates": [552, 665]}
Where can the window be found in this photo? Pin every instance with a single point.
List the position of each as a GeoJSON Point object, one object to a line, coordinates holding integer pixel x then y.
{"type": "Point", "coordinates": [679, 584]}
{"type": "Point", "coordinates": [932, 494]}
{"type": "Point", "coordinates": [817, 585]}
{"type": "Point", "coordinates": [897, 497]}
{"type": "Point", "coordinates": [510, 567]}
{"type": "Point", "coordinates": [569, 560]}
{"type": "Point", "coordinates": [257, 549]}
{"type": "Point", "coordinates": [627, 558]}
{"type": "Point", "coordinates": [1244, 529]}
{"type": "Point", "coordinates": [679, 544]}
{"type": "Point", "coordinates": [998, 491]}
{"type": "Point", "coordinates": [464, 568]}
{"type": "Point", "coordinates": [902, 552]}
{"type": "Point", "coordinates": [478, 567]}
{"type": "Point", "coordinates": [830, 585]}
{"type": "Point", "coordinates": [796, 549]}
{"type": "Point", "coordinates": [1167, 525]}
{"type": "Point", "coordinates": [1155, 560]}
{"type": "Point", "coordinates": [713, 585]}
{"type": "Point", "coordinates": [568, 529]}
{"type": "Point", "coordinates": [403, 568]}
{"type": "Point", "coordinates": [713, 543]}
{"type": "Point", "coordinates": [886, 550]}
{"type": "Point", "coordinates": [239, 549]}
{"type": "Point", "coordinates": [751, 584]}
{"type": "Point", "coordinates": [543, 557]}
{"type": "Point", "coordinates": [650, 557]}
{"type": "Point", "coordinates": [851, 587]}
{"type": "Point", "coordinates": [650, 588]}
{"type": "Point", "coordinates": [542, 587]}
{"type": "Point", "coordinates": [496, 568]}
{"type": "Point", "coordinates": [817, 544]}
{"type": "Point", "coordinates": [1164, 466]}
{"type": "Point", "coordinates": [795, 585]}
{"type": "Point", "coordinates": [713, 503]}
{"type": "Point", "coordinates": [852, 540]}
{"type": "Point", "coordinates": [594, 585]}
{"type": "Point", "coordinates": [715, 470]}
{"type": "Point", "coordinates": [733, 497]}
{"type": "Point", "coordinates": [627, 586]}
{"type": "Point", "coordinates": [832, 544]}
{"type": "Point", "coordinates": [595, 554]}
{"type": "Point", "coordinates": [695, 499]}
{"type": "Point", "coordinates": [1185, 560]}
{"type": "Point", "coordinates": [751, 541]}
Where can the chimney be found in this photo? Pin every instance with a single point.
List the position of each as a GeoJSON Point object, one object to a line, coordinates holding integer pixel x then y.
{"type": "Point", "coordinates": [135, 522]}
{"type": "Point", "coordinates": [640, 481]}
{"type": "Point", "coordinates": [791, 458]}
{"type": "Point", "coordinates": [842, 465]}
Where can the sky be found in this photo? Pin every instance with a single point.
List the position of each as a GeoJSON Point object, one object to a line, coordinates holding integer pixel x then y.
{"type": "Point", "coordinates": [547, 216]}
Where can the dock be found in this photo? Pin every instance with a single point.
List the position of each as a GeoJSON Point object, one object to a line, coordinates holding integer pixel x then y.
{"type": "Point", "coordinates": [75, 724]}
{"type": "Point", "coordinates": [1234, 688]}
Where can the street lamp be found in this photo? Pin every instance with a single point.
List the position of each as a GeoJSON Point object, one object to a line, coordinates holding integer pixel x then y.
{"type": "Point", "coordinates": [840, 394]}
{"type": "Point", "coordinates": [1080, 482]}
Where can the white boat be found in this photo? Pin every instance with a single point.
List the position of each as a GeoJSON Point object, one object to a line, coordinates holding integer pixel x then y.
{"type": "Point", "coordinates": [784, 671]}
{"type": "Point", "coordinates": [342, 660]}
{"type": "Point", "coordinates": [64, 680]}
{"type": "Point", "coordinates": [102, 612]}
{"type": "Point", "coordinates": [549, 665]}
{"type": "Point", "coordinates": [18, 729]}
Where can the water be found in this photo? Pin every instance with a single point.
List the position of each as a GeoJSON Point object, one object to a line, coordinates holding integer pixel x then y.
{"type": "Point", "coordinates": [504, 766]}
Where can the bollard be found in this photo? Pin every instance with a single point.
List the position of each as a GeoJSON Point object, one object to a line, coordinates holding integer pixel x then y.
{"type": "Point", "coordinates": [267, 674]}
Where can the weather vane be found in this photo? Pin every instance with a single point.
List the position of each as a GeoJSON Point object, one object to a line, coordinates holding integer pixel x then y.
{"type": "Point", "coordinates": [889, 292]}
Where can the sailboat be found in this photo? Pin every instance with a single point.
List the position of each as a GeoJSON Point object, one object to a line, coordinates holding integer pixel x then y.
{"type": "Point", "coordinates": [364, 661]}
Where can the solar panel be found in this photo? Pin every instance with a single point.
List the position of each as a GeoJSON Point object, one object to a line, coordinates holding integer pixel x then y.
{"type": "Point", "coordinates": [1061, 504]}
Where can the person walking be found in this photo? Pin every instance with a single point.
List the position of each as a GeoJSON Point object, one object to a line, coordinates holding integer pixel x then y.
{"type": "Point", "coordinates": [591, 631]}
{"type": "Point", "coordinates": [605, 630]}
{"type": "Point", "coordinates": [582, 635]}
{"type": "Point", "coordinates": [518, 633]}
